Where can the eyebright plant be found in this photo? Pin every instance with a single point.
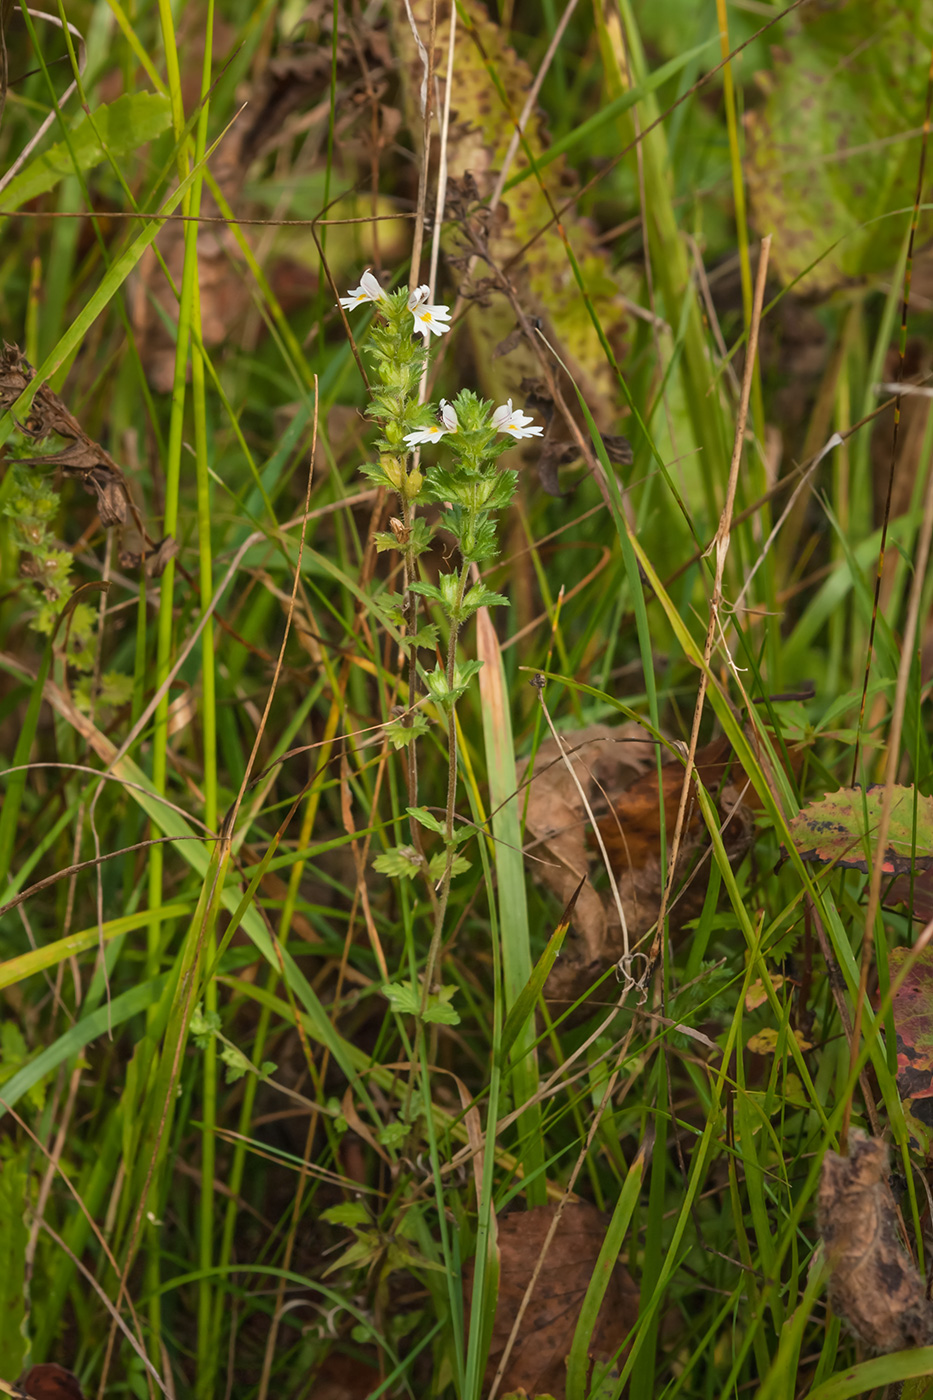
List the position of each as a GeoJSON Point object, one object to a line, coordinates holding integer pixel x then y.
{"type": "Point", "coordinates": [471, 490]}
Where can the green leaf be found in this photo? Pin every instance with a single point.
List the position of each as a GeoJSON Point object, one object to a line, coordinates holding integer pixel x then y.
{"type": "Point", "coordinates": [427, 590]}
{"type": "Point", "coordinates": [204, 1028]}
{"type": "Point", "coordinates": [347, 1213]}
{"type": "Point", "coordinates": [394, 1133]}
{"type": "Point", "coordinates": [401, 732]}
{"type": "Point", "coordinates": [402, 997]}
{"type": "Point", "coordinates": [479, 596]}
{"type": "Point", "coordinates": [438, 862]}
{"type": "Point", "coordinates": [438, 688]}
{"type": "Point", "coordinates": [527, 999]}
{"type": "Point", "coordinates": [236, 1062]}
{"type": "Point", "coordinates": [402, 862]}
{"type": "Point", "coordinates": [439, 1009]}
{"type": "Point", "coordinates": [363, 1251]}
{"type": "Point", "coordinates": [15, 1054]}
{"type": "Point", "coordinates": [427, 819]}
{"type": "Point", "coordinates": [123, 126]}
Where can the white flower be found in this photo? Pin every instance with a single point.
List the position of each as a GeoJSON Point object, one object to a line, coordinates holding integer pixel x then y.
{"type": "Point", "coordinates": [368, 290]}
{"type": "Point", "coordinates": [419, 295]}
{"type": "Point", "coordinates": [430, 318]}
{"type": "Point", "coordinates": [504, 420]}
{"type": "Point", "coordinates": [432, 434]}
{"type": "Point", "coordinates": [436, 431]}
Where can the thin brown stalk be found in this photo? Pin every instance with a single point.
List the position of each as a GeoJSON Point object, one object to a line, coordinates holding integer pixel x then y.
{"type": "Point", "coordinates": [721, 546]}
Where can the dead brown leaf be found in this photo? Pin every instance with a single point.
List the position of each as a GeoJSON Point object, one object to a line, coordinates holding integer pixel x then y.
{"type": "Point", "coordinates": [537, 1362]}
{"type": "Point", "coordinates": [605, 760]}
{"type": "Point", "coordinates": [342, 1377]}
{"type": "Point", "coordinates": [616, 769]}
{"type": "Point", "coordinates": [153, 560]}
{"type": "Point", "coordinates": [50, 1382]}
{"type": "Point", "coordinates": [874, 1286]}
{"type": "Point", "coordinates": [83, 458]}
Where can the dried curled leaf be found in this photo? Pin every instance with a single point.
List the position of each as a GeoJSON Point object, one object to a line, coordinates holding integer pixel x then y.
{"type": "Point", "coordinates": [82, 458]}
{"type": "Point", "coordinates": [873, 1287]}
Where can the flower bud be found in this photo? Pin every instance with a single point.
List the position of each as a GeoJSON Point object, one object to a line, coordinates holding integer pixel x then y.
{"type": "Point", "coordinates": [394, 473]}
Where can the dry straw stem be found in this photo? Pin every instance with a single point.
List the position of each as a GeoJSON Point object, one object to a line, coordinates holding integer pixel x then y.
{"type": "Point", "coordinates": [721, 547]}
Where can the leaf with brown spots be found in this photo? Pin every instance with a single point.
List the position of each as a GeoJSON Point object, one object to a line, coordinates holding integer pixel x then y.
{"type": "Point", "coordinates": [838, 826]}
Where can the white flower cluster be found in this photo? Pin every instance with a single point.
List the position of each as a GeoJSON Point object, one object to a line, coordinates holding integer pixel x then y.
{"type": "Point", "coordinates": [428, 319]}
{"type": "Point", "coordinates": [505, 420]}
{"type": "Point", "coordinates": [431, 319]}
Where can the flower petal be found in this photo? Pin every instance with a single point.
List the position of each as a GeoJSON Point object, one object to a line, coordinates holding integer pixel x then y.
{"type": "Point", "coordinates": [431, 318]}
{"type": "Point", "coordinates": [372, 287]}
{"type": "Point", "coordinates": [368, 290]}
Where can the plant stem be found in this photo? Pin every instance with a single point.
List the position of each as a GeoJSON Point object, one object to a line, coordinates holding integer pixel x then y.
{"type": "Point", "coordinates": [444, 891]}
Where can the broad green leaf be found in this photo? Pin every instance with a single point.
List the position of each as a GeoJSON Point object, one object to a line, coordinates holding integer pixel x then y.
{"type": "Point", "coordinates": [347, 1213]}
{"type": "Point", "coordinates": [402, 998]}
{"type": "Point", "coordinates": [835, 147]}
{"type": "Point", "coordinates": [123, 126]}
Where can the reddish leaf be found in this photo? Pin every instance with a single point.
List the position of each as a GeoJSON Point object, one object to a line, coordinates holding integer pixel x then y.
{"type": "Point", "coordinates": [913, 1028]}
{"type": "Point", "coordinates": [838, 826]}
{"type": "Point", "coordinates": [50, 1382]}
{"type": "Point", "coordinates": [916, 891]}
